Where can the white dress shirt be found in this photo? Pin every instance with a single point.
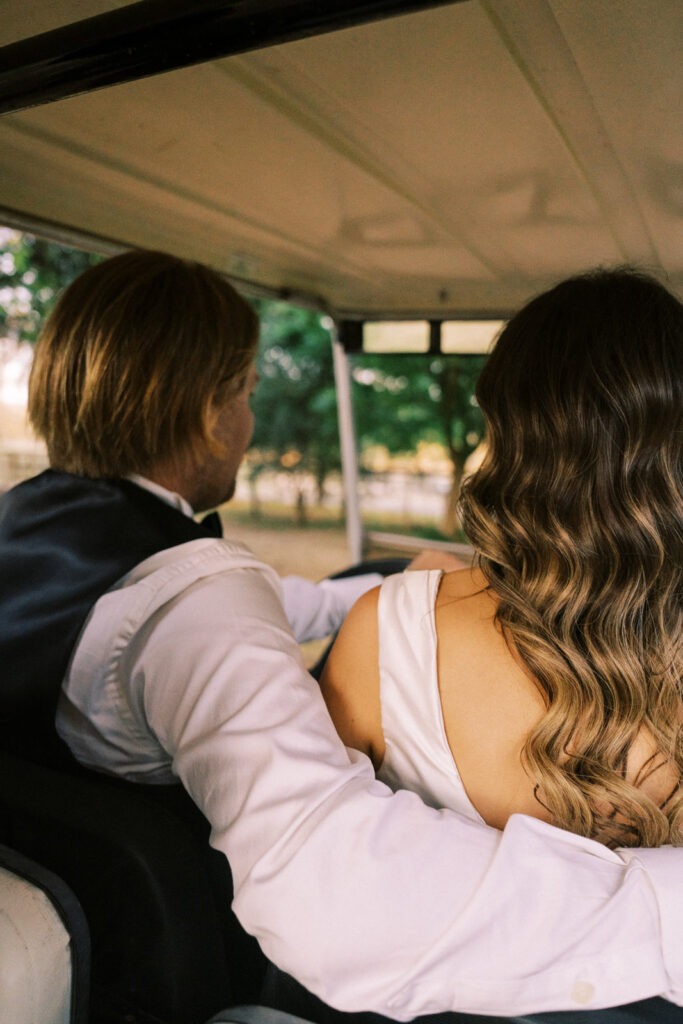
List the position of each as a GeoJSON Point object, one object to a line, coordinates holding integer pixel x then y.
{"type": "Point", "coordinates": [313, 610]}
{"type": "Point", "coordinates": [188, 670]}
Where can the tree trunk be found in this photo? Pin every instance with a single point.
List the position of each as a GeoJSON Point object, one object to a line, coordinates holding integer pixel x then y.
{"type": "Point", "coordinates": [301, 517]}
{"type": "Point", "coordinates": [254, 503]}
{"type": "Point", "coordinates": [320, 477]}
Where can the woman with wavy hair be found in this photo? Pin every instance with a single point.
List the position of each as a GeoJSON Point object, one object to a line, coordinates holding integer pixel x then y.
{"type": "Point", "coordinates": [546, 679]}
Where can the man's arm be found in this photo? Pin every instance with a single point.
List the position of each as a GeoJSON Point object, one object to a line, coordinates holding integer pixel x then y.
{"type": "Point", "coordinates": [372, 900]}
{"type": "Point", "coordinates": [315, 610]}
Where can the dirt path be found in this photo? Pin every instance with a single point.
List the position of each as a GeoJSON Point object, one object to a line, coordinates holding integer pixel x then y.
{"type": "Point", "coordinates": [312, 553]}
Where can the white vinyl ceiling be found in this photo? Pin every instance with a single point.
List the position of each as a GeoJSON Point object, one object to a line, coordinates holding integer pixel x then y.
{"type": "Point", "coordinates": [449, 161]}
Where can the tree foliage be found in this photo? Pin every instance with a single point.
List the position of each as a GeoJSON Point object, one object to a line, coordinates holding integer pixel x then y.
{"type": "Point", "coordinates": [295, 403]}
{"type": "Point", "coordinates": [399, 401]}
{"type": "Point", "coordinates": [33, 272]}
{"type": "Point", "coordinates": [402, 400]}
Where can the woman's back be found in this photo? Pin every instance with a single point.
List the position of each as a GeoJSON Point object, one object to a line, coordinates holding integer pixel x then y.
{"type": "Point", "coordinates": [489, 702]}
{"type": "Point", "coordinates": [455, 708]}
{"type": "Point", "coordinates": [559, 659]}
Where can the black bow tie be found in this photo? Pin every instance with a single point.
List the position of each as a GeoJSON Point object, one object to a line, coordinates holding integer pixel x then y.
{"type": "Point", "coordinates": [212, 524]}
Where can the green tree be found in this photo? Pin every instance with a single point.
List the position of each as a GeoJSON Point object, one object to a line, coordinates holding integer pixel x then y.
{"type": "Point", "coordinates": [398, 400]}
{"type": "Point", "coordinates": [295, 404]}
{"type": "Point", "coordinates": [401, 400]}
{"type": "Point", "coordinates": [33, 272]}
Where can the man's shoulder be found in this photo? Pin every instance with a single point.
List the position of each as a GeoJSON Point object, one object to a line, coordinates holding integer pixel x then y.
{"type": "Point", "coordinates": [199, 582]}
{"type": "Point", "coordinates": [177, 568]}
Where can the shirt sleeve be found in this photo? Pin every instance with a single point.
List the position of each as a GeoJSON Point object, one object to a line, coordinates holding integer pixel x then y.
{"type": "Point", "coordinates": [664, 869]}
{"type": "Point", "coordinates": [371, 899]}
{"type": "Point", "coordinates": [315, 610]}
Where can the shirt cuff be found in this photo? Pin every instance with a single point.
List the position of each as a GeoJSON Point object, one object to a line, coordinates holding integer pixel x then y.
{"type": "Point", "coordinates": [663, 868]}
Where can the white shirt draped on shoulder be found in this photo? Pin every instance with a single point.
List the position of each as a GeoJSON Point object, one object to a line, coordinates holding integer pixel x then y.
{"type": "Point", "coordinates": [188, 669]}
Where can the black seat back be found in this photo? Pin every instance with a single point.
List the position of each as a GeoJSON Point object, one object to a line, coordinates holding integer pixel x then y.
{"type": "Point", "coordinates": [156, 896]}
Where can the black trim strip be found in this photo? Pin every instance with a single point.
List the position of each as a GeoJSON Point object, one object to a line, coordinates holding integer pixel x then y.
{"type": "Point", "coordinates": [154, 36]}
{"type": "Point", "coordinates": [71, 914]}
{"type": "Point", "coordinates": [434, 337]}
{"type": "Point", "coordinates": [350, 334]}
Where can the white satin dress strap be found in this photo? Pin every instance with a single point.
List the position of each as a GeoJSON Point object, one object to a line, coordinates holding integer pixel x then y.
{"type": "Point", "coordinates": [417, 753]}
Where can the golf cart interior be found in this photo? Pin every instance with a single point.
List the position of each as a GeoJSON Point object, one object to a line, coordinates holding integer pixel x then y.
{"type": "Point", "coordinates": [431, 163]}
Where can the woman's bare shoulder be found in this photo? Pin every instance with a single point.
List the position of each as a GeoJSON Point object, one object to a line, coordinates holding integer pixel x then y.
{"type": "Point", "coordinates": [464, 585]}
{"type": "Point", "coordinates": [489, 704]}
{"type": "Point", "coordinates": [350, 680]}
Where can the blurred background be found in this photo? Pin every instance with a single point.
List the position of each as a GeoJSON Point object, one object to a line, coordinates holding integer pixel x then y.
{"type": "Point", "coordinates": [418, 426]}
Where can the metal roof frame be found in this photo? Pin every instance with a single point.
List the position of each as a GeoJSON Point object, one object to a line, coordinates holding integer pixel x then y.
{"type": "Point", "coordinates": [154, 36]}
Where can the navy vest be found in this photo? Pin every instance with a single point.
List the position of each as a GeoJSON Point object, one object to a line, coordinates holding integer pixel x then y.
{"type": "Point", "coordinates": [64, 541]}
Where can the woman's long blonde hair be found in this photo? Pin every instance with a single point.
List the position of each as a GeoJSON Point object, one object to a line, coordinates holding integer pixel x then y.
{"type": "Point", "coordinates": [576, 513]}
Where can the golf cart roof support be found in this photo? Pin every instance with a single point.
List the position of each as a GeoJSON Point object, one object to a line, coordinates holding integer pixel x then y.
{"type": "Point", "coordinates": [349, 448]}
{"type": "Point", "coordinates": [154, 36]}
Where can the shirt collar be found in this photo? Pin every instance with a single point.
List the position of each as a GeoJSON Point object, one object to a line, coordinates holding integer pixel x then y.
{"type": "Point", "coordinates": [169, 497]}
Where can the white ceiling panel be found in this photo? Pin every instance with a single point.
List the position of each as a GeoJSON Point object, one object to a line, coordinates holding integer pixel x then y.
{"type": "Point", "coordinates": [453, 160]}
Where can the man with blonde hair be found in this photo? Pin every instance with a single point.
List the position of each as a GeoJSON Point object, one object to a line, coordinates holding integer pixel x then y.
{"type": "Point", "coordinates": [140, 643]}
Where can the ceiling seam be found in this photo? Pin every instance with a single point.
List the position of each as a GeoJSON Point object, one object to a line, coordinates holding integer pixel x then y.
{"type": "Point", "coordinates": [121, 168]}
{"type": "Point", "coordinates": [493, 9]}
{"type": "Point", "coordinates": [315, 125]}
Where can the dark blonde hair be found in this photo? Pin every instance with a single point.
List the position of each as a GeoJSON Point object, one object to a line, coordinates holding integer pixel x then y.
{"type": "Point", "coordinates": [129, 360]}
{"type": "Point", "coordinates": [576, 512]}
